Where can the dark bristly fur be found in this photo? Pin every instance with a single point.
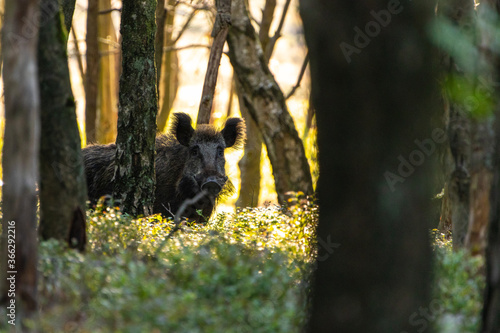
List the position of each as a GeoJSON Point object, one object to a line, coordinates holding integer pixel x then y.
{"type": "Point", "coordinates": [186, 160]}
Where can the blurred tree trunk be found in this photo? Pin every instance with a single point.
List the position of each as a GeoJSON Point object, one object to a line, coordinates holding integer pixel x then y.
{"type": "Point", "coordinates": [169, 78]}
{"type": "Point", "coordinates": [482, 135]}
{"type": "Point", "coordinates": [374, 258]}
{"type": "Point", "coordinates": [92, 79]}
{"type": "Point", "coordinates": [20, 159]}
{"type": "Point", "coordinates": [107, 96]}
{"type": "Point", "coordinates": [160, 16]}
{"type": "Point", "coordinates": [135, 143]}
{"type": "Point", "coordinates": [250, 162]}
{"type": "Point", "coordinates": [491, 307]}
{"type": "Point", "coordinates": [267, 106]}
{"type": "Point", "coordinates": [459, 133]}
{"type": "Point", "coordinates": [63, 191]}
{"type": "Point", "coordinates": [68, 9]}
{"type": "Point", "coordinates": [471, 141]}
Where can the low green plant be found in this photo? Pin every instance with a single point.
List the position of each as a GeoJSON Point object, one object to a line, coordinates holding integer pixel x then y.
{"type": "Point", "coordinates": [459, 285]}
{"type": "Point", "coordinates": [242, 272]}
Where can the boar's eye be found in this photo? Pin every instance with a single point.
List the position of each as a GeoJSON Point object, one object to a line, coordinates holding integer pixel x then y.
{"type": "Point", "coordinates": [194, 151]}
{"type": "Point", "coordinates": [220, 151]}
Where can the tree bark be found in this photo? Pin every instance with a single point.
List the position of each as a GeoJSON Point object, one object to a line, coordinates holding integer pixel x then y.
{"type": "Point", "coordinates": [134, 171]}
{"type": "Point", "coordinates": [374, 258]}
{"type": "Point", "coordinates": [63, 191]}
{"type": "Point", "coordinates": [92, 79]}
{"type": "Point", "coordinates": [267, 106]}
{"type": "Point", "coordinates": [219, 34]}
{"type": "Point", "coordinates": [107, 95]}
{"type": "Point", "coordinates": [20, 157]}
{"type": "Point", "coordinates": [250, 162]}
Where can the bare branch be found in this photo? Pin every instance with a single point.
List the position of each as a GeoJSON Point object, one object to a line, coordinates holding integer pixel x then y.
{"type": "Point", "coordinates": [191, 46]}
{"type": "Point", "coordinates": [277, 34]}
{"type": "Point", "coordinates": [265, 24]}
{"type": "Point", "coordinates": [184, 27]}
{"type": "Point", "coordinates": [301, 75]}
{"type": "Point", "coordinates": [107, 11]}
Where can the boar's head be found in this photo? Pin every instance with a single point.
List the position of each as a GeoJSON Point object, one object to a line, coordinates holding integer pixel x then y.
{"type": "Point", "coordinates": [204, 167]}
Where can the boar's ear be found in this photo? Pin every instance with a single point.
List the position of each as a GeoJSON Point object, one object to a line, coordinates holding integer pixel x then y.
{"type": "Point", "coordinates": [182, 128]}
{"type": "Point", "coordinates": [234, 133]}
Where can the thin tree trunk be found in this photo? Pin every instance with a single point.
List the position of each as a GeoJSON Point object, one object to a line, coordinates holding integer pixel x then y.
{"type": "Point", "coordinates": [267, 106]}
{"type": "Point", "coordinates": [63, 191]}
{"type": "Point", "coordinates": [170, 71]}
{"type": "Point", "coordinates": [374, 258]}
{"type": "Point", "coordinates": [160, 15]}
{"type": "Point", "coordinates": [219, 34]}
{"type": "Point", "coordinates": [135, 143]}
{"type": "Point", "coordinates": [107, 111]}
{"type": "Point", "coordinates": [20, 159]}
{"type": "Point", "coordinates": [92, 79]}
{"type": "Point", "coordinates": [251, 161]}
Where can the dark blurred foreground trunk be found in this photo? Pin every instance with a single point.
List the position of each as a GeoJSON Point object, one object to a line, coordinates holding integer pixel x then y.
{"type": "Point", "coordinates": [373, 87]}
{"type": "Point", "coordinates": [18, 254]}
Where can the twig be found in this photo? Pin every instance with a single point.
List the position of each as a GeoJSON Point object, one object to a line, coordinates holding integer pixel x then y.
{"type": "Point", "coordinates": [174, 48]}
{"type": "Point", "coordinates": [177, 218]}
{"type": "Point", "coordinates": [184, 27]}
{"type": "Point", "coordinates": [107, 11]}
{"type": "Point", "coordinates": [301, 75]}
{"type": "Point", "coordinates": [78, 54]}
{"type": "Point", "coordinates": [277, 34]}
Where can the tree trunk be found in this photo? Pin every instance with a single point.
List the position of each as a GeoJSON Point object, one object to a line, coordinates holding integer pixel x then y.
{"type": "Point", "coordinates": [20, 160]}
{"type": "Point", "coordinates": [107, 111]}
{"type": "Point", "coordinates": [135, 143]}
{"type": "Point", "coordinates": [491, 308]}
{"type": "Point", "coordinates": [63, 191]}
{"type": "Point", "coordinates": [267, 106]}
{"type": "Point", "coordinates": [250, 162]}
{"type": "Point", "coordinates": [92, 79]}
{"type": "Point", "coordinates": [160, 16]}
{"type": "Point", "coordinates": [374, 258]}
{"type": "Point", "coordinates": [219, 34]}
{"type": "Point", "coordinates": [68, 9]}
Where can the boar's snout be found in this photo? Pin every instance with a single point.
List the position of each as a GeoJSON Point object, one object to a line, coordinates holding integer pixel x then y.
{"type": "Point", "coordinates": [213, 185]}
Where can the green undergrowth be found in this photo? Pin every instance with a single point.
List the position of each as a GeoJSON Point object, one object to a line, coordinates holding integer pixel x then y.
{"type": "Point", "coordinates": [458, 288]}
{"type": "Point", "coordinates": [243, 272]}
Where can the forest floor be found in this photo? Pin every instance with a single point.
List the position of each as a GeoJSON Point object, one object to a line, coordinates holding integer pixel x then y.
{"type": "Point", "coordinates": [247, 271]}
